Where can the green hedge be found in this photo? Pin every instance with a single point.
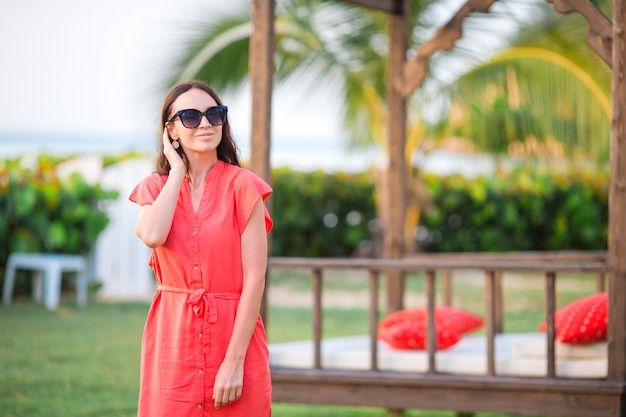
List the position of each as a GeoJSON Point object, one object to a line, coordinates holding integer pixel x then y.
{"type": "Point", "coordinates": [321, 214]}
{"type": "Point", "coordinates": [42, 213]}
{"type": "Point", "coordinates": [527, 209]}
{"type": "Point", "coordinates": [524, 210]}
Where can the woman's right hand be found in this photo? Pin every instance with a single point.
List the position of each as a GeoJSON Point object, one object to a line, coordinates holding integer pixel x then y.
{"type": "Point", "coordinates": [173, 157]}
{"type": "Point", "coordinates": [155, 220]}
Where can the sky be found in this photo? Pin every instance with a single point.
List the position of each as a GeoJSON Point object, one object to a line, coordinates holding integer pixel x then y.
{"type": "Point", "coordinates": [76, 67]}
{"type": "Point", "coordinates": [89, 69]}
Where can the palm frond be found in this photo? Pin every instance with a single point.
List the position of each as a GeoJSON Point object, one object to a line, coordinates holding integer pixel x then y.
{"type": "Point", "coordinates": [531, 94]}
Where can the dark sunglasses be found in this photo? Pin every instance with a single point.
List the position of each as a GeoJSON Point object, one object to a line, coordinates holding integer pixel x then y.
{"type": "Point", "coordinates": [191, 118]}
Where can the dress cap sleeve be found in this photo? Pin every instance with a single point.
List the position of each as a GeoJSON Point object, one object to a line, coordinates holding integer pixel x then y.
{"type": "Point", "coordinates": [248, 189]}
{"type": "Point", "coordinates": [147, 190]}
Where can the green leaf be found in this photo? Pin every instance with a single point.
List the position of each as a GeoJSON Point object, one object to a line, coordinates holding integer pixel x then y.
{"type": "Point", "coordinates": [56, 237]}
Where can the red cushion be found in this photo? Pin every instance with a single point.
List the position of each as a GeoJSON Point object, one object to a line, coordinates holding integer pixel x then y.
{"type": "Point", "coordinates": [582, 321]}
{"type": "Point", "coordinates": [453, 319]}
{"type": "Point", "coordinates": [413, 335]}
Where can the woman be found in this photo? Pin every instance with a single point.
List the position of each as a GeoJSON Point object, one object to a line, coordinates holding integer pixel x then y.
{"type": "Point", "coordinates": [204, 350]}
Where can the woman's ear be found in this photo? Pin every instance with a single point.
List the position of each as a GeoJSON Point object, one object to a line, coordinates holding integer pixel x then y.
{"type": "Point", "coordinates": [171, 131]}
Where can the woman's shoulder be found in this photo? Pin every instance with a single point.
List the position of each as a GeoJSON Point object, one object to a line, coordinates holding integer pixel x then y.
{"type": "Point", "coordinates": [154, 178]}
{"type": "Point", "coordinates": [148, 188]}
{"type": "Point", "coordinates": [237, 172]}
{"type": "Point", "coordinates": [242, 177]}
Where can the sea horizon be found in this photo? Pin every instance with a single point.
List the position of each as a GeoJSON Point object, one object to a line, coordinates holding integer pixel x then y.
{"type": "Point", "coordinates": [307, 154]}
{"type": "Point", "coordinates": [298, 153]}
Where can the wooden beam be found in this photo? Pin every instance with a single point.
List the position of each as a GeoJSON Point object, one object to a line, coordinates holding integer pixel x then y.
{"type": "Point", "coordinates": [395, 187]}
{"type": "Point", "coordinates": [389, 6]}
{"type": "Point", "coordinates": [261, 64]}
{"type": "Point", "coordinates": [416, 69]}
{"type": "Point", "coordinates": [600, 36]}
{"type": "Point", "coordinates": [617, 203]}
{"type": "Point", "coordinates": [405, 390]}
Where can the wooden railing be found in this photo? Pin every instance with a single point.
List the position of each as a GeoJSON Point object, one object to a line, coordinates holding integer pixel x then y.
{"type": "Point", "coordinates": [550, 264]}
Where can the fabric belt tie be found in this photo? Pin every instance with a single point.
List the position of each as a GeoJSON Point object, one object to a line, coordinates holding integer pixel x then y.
{"type": "Point", "coordinates": [201, 301]}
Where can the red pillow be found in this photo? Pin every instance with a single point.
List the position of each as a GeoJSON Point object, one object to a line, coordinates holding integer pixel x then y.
{"type": "Point", "coordinates": [582, 321]}
{"type": "Point", "coordinates": [450, 318]}
{"type": "Point", "coordinates": [413, 335]}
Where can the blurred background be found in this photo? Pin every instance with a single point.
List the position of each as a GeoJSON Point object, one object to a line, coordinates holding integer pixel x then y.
{"type": "Point", "coordinates": [507, 143]}
{"type": "Point", "coordinates": [507, 150]}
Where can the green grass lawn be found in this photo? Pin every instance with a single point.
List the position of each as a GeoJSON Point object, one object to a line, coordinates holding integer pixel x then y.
{"type": "Point", "coordinates": [85, 363]}
{"type": "Point", "coordinates": [70, 362]}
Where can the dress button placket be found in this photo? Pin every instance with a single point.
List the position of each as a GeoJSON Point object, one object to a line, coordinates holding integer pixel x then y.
{"type": "Point", "coordinates": [197, 283]}
{"type": "Point", "coordinates": [195, 253]}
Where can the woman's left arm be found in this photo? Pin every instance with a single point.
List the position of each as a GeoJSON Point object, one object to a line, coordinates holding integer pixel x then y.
{"type": "Point", "coordinates": [229, 379]}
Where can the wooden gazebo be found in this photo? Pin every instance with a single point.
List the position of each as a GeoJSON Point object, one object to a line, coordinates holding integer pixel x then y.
{"type": "Point", "coordinates": [541, 396]}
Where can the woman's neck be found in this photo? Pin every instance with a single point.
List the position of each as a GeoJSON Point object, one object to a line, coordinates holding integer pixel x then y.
{"type": "Point", "coordinates": [199, 167]}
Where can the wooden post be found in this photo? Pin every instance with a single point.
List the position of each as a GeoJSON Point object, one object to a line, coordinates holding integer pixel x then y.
{"type": "Point", "coordinates": [550, 302]}
{"type": "Point", "coordinates": [617, 203]}
{"type": "Point", "coordinates": [395, 201]}
{"type": "Point", "coordinates": [499, 311]}
{"type": "Point", "coordinates": [490, 312]}
{"type": "Point", "coordinates": [318, 322]}
{"type": "Point", "coordinates": [261, 63]}
{"type": "Point", "coordinates": [261, 70]}
{"type": "Point", "coordinates": [431, 333]}
{"type": "Point", "coordinates": [373, 287]}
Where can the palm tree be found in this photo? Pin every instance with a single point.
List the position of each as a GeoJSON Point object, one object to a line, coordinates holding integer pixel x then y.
{"type": "Point", "coordinates": [546, 95]}
{"type": "Point", "coordinates": [344, 46]}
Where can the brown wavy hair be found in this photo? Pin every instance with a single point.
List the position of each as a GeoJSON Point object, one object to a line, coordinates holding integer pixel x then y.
{"type": "Point", "coordinates": [226, 150]}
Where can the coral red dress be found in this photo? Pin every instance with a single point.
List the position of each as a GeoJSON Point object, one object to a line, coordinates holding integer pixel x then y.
{"type": "Point", "coordinates": [199, 276]}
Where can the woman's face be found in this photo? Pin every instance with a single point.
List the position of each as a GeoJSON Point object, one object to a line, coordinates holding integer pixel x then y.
{"type": "Point", "coordinates": [204, 138]}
